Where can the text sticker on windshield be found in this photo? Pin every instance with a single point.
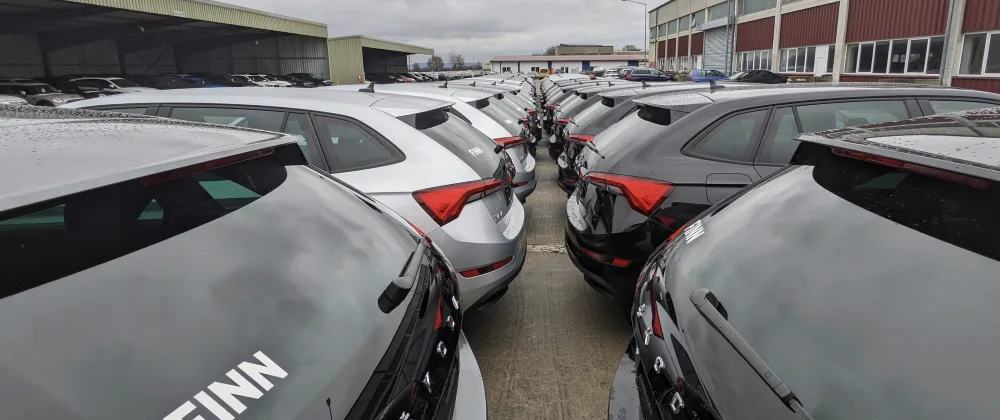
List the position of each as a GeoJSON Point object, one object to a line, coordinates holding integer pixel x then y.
{"type": "Point", "coordinates": [693, 232]}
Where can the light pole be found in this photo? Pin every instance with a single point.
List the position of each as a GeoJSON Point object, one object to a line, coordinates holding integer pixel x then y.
{"type": "Point", "coordinates": [645, 22]}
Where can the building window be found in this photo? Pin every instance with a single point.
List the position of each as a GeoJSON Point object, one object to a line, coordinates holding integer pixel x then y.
{"type": "Point", "coordinates": [697, 17]}
{"type": "Point", "coordinates": [505, 70]}
{"type": "Point", "coordinates": [672, 27]}
{"type": "Point", "coordinates": [752, 6]}
{"type": "Point", "coordinates": [754, 60]}
{"type": "Point", "coordinates": [829, 59]}
{"type": "Point", "coordinates": [981, 54]}
{"type": "Point", "coordinates": [718, 11]}
{"type": "Point", "coordinates": [684, 64]}
{"type": "Point", "coordinates": [803, 59]}
{"type": "Point", "coordinates": [684, 23]}
{"type": "Point", "coordinates": [897, 56]}
{"type": "Point", "coordinates": [661, 30]}
{"type": "Point", "coordinates": [535, 69]}
{"type": "Point", "coordinates": [652, 33]}
{"type": "Point", "coordinates": [660, 64]}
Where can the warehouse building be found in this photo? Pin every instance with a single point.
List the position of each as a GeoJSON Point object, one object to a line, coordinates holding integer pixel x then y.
{"type": "Point", "coordinates": [354, 56]}
{"type": "Point", "coordinates": [117, 37]}
{"type": "Point", "coordinates": [950, 42]}
{"type": "Point", "coordinates": [563, 63]}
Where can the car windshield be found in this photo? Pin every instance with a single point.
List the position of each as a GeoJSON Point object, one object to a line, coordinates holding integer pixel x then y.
{"type": "Point", "coordinates": [461, 139]}
{"type": "Point", "coordinates": [897, 285]}
{"type": "Point", "coordinates": [257, 78]}
{"type": "Point", "coordinates": [88, 85]}
{"type": "Point", "coordinates": [239, 78]}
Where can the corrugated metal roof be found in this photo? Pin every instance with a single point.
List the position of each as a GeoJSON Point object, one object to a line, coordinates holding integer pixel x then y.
{"type": "Point", "coordinates": [381, 44]}
{"type": "Point", "coordinates": [212, 11]}
{"type": "Point", "coordinates": [591, 58]}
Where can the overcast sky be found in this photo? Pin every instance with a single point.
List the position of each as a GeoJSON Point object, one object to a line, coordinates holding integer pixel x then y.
{"type": "Point", "coordinates": [473, 28]}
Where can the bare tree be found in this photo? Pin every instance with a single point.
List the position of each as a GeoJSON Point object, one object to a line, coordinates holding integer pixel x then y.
{"type": "Point", "coordinates": [416, 67]}
{"type": "Point", "coordinates": [551, 50]}
{"type": "Point", "coordinates": [435, 63]}
{"type": "Point", "coordinates": [457, 61]}
{"type": "Point", "coordinates": [630, 47]}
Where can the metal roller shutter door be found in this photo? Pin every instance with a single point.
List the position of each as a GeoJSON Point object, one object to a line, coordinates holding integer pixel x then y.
{"type": "Point", "coordinates": [715, 49]}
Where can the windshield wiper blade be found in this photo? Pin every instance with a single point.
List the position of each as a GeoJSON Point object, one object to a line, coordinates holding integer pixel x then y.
{"type": "Point", "coordinates": [594, 148]}
{"type": "Point", "coordinates": [708, 306]}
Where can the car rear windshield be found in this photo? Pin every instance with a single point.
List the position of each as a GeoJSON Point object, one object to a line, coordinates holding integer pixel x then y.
{"type": "Point", "coordinates": [461, 139]}
{"type": "Point", "coordinates": [55, 239]}
{"type": "Point", "coordinates": [502, 116]}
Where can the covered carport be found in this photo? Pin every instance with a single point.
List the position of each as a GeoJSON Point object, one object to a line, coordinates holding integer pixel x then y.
{"type": "Point", "coordinates": [116, 37]}
{"type": "Point", "coordinates": [352, 57]}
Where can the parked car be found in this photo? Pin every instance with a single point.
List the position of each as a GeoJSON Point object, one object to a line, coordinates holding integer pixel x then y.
{"type": "Point", "coordinates": [646, 176]}
{"type": "Point", "coordinates": [198, 81]}
{"type": "Point", "coordinates": [118, 84]}
{"type": "Point", "coordinates": [212, 246]}
{"type": "Point", "coordinates": [757, 76]}
{"type": "Point", "coordinates": [817, 285]}
{"type": "Point", "coordinates": [163, 82]}
{"type": "Point", "coordinates": [543, 73]}
{"type": "Point", "coordinates": [17, 80]}
{"type": "Point", "coordinates": [85, 88]}
{"type": "Point", "coordinates": [412, 154]}
{"type": "Point", "coordinates": [40, 94]}
{"type": "Point", "coordinates": [382, 79]}
{"type": "Point", "coordinates": [480, 110]}
{"type": "Point", "coordinates": [318, 81]}
{"type": "Point", "coordinates": [295, 81]}
{"type": "Point", "coordinates": [261, 80]}
{"type": "Point", "coordinates": [647, 74]}
{"type": "Point", "coordinates": [705, 75]}
{"type": "Point", "coordinates": [402, 78]}
{"type": "Point", "coordinates": [225, 80]}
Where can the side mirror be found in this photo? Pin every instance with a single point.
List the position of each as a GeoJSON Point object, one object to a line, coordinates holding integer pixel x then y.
{"type": "Point", "coordinates": [22, 93]}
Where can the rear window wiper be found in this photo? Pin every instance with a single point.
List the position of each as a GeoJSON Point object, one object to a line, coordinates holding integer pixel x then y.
{"type": "Point", "coordinates": [712, 310]}
{"type": "Point", "coordinates": [591, 146]}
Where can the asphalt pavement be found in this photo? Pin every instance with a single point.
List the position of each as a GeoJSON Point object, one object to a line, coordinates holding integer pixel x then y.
{"type": "Point", "coordinates": [549, 348]}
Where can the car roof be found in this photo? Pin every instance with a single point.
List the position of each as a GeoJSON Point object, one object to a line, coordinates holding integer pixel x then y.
{"type": "Point", "coordinates": [426, 91]}
{"type": "Point", "coordinates": [53, 152]}
{"type": "Point", "coordinates": [963, 142]}
{"type": "Point", "coordinates": [788, 92]}
{"type": "Point", "coordinates": [321, 100]}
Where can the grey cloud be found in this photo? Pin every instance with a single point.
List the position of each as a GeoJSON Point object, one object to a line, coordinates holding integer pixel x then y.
{"type": "Point", "coordinates": [474, 28]}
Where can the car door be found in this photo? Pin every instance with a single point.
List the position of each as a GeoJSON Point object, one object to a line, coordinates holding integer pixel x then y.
{"type": "Point", "coordinates": [787, 122]}
{"type": "Point", "coordinates": [729, 147]}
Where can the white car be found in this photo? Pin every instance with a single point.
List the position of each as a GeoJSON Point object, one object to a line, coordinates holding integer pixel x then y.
{"type": "Point", "coordinates": [478, 109]}
{"type": "Point", "coordinates": [262, 80]}
{"type": "Point", "coordinates": [115, 83]}
{"type": "Point", "coordinates": [412, 154]}
{"type": "Point", "coordinates": [12, 100]}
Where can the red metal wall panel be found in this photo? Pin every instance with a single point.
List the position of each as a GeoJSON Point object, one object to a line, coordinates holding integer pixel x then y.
{"type": "Point", "coordinates": [698, 43]}
{"type": "Point", "coordinates": [989, 85]}
{"type": "Point", "coordinates": [812, 26]}
{"type": "Point", "coordinates": [672, 47]}
{"type": "Point", "coordinates": [682, 46]}
{"type": "Point", "coordinates": [981, 15]}
{"type": "Point", "coordinates": [661, 49]}
{"type": "Point", "coordinates": [870, 20]}
{"type": "Point", "coordinates": [755, 35]}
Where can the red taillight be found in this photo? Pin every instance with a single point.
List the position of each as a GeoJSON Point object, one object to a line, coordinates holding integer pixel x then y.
{"type": "Point", "coordinates": [657, 329]}
{"type": "Point", "coordinates": [581, 138]}
{"type": "Point", "coordinates": [486, 268]}
{"type": "Point", "coordinates": [553, 107]}
{"type": "Point", "coordinates": [628, 77]}
{"type": "Point", "coordinates": [643, 195]}
{"type": "Point", "coordinates": [943, 175]}
{"type": "Point", "coordinates": [202, 167]}
{"type": "Point", "coordinates": [562, 121]}
{"type": "Point", "coordinates": [617, 262]}
{"type": "Point", "coordinates": [532, 111]}
{"type": "Point", "coordinates": [438, 321]}
{"type": "Point", "coordinates": [508, 142]}
{"type": "Point", "coordinates": [445, 203]}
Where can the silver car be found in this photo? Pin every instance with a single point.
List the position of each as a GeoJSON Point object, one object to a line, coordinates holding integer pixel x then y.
{"type": "Point", "coordinates": [38, 93]}
{"type": "Point", "coordinates": [480, 111]}
{"type": "Point", "coordinates": [115, 84]}
{"type": "Point", "coordinates": [218, 265]}
{"type": "Point", "coordinates": [12, 100]}
{"type": "Point", "coordinates": [412, 154]}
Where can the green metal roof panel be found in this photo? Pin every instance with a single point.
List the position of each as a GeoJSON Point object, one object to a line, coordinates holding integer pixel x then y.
{"type": "Point", "coordinates": [212, 11]}
{"type": "Point", "coordinates": [382, 44]}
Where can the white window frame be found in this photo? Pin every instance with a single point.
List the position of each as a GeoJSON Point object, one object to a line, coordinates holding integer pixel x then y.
{"type": "Point", "coordinates": [535, 69]}
{"type": "Point", "coordinates": [986, 55]}
{"type": "Point", "coordinates": [753, 60]}
{"type": "Point", "coordinates": [790, 57]}
{"type": "Point", "coordinates": [906, 64]}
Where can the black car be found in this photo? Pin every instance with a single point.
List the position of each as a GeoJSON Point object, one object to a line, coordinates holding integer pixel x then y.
{"type": "Point", "coordinates": [318, 81]}
{"type": "Point", "coordinates": [162, 81]}
{"type": "Point", "coordinates": [85, 88]}
{"type": "Point", "coordinates": [646, 176]}
{"type": "Point", "coordinates": [225, 80]}
{"type": "Point", "coordinates": [141, 250]}
{"type": "Point", "coordinates": [295, 81]}
{"type": "Point", "coordinates": [855, 283]}
{"type": "Point", "coordinates": [758, 76]}
{"type": "Point", "coordinates": [382, 78]}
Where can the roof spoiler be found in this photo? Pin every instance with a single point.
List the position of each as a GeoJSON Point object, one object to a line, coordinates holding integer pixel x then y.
{"type": "Point", "coordinates": [369, 89]}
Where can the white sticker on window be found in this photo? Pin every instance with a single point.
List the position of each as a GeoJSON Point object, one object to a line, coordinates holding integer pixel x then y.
{"type": "Point", "coordinates": [227, 392]}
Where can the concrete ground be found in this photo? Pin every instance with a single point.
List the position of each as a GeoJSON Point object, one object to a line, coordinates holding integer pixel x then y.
{"type": "Point", "coordinates": [549, 348]}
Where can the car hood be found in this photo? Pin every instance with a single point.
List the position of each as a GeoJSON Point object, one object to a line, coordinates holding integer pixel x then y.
{"type": "Point", "coordinates": [63, 96]}
{"type": "Point", "coordinates": [136, 89]}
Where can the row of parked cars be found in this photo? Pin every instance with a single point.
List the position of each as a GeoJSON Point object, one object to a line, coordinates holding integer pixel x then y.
{"type": "Point", "coordinates": [271, 253]}
{"type": "Point", "coordinates": [60, 90]}
{"type": "Point", "coordinates": [790, 251]}
{"type": "Point", "coordinates": [418, 77]}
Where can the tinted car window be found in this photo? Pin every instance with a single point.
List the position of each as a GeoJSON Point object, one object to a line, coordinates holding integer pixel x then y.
{"type": "Point", "coordinates": [942, 106]}
{"type": "Point", "coordinates": [886, 278]}
{"type": "Point", "coordinates": [462, 140]}
{"type": "Point", "coordinates": [501, 116]}
{"type": "Point", "coordinates": [298, 124]}
{"type": "Point", "coordinates": [781, 144]}
{"type": "Point", "coordinates": [78, 232]}
{"type": "Point", "coordinates": [734, 139]}
{"type": "Point", "coordinates": [349, 147]}
{"type": "Point", "coordinates": [849, 114]}
{"type": "Point", "coordinates": [233, 117]}
{"type": "Point", "coordinates": [135, 110]}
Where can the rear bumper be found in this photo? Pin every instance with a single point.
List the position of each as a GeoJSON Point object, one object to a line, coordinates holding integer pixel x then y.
{"type": "Point", "coordinates": [470, 399]}
{"type": "Point", "coordinates": [609, 280]}
{"type": "Point", "coordinates": [523, 192]}
{"type": "Point", "coordinates": [623, 400]}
